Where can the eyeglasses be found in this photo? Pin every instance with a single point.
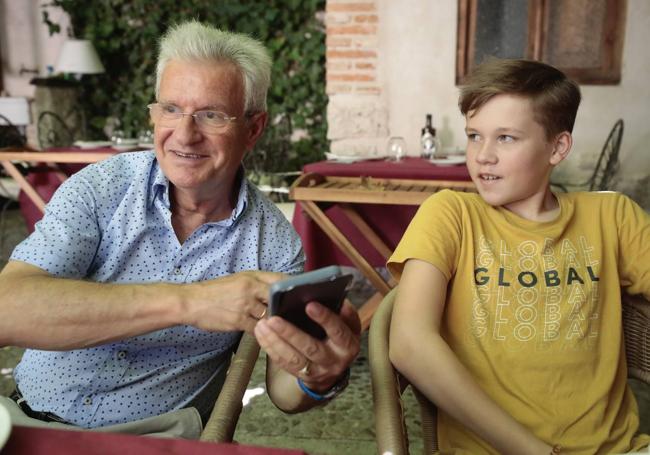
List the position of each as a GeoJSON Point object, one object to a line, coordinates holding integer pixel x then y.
{"type": "Point", "coordinates": [169, 116]}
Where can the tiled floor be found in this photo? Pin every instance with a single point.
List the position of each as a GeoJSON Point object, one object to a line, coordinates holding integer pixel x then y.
{"type": "Point", "coordinates": [345, 426]}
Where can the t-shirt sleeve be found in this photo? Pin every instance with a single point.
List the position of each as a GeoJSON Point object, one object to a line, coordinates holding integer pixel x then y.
{"type": "Point", "coordinates": [634, 250]}
{"type": "Point", "coordinates": [434, 235]}
{"type": "Point", "coordinates": [65, 240]}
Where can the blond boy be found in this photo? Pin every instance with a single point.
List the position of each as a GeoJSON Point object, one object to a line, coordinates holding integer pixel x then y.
{"type": "Point", "coordinates": [508, 314]}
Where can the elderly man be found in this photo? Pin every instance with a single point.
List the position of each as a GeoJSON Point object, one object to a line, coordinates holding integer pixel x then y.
{"type": "Point", "coordinates": [146, 268]}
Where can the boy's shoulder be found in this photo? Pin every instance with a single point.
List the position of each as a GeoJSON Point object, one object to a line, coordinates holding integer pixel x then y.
{"type": "Point", "coordinates": [590, 200]}
{"type": "Point", "coordinates": [455, 201]}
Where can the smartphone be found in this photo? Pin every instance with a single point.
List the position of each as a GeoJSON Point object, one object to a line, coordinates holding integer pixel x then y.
{"type": "Point", "coordinates": [288, 298]}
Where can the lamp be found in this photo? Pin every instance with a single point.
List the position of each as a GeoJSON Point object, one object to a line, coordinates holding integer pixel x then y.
{"type": "Point", "coordinates": [79, 57]}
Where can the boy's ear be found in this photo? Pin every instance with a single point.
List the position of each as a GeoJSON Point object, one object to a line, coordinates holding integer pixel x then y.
{"type": "Point", "coordinates": [561, 147]}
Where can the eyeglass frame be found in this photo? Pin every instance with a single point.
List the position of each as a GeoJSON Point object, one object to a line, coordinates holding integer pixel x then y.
{"type": "Point", "coordinates": [227, 118]}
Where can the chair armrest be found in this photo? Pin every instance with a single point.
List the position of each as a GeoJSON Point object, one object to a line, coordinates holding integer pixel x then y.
{"type": "Point", "coordinates": [223, 420]}
{"type": "Point", "coordinates": [389, 420]}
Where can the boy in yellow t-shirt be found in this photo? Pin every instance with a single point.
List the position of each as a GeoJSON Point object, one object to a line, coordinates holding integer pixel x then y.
{"type": "Point", "coordinates": [508, 313]}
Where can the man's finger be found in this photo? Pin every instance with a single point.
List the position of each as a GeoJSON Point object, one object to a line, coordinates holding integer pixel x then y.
{"type": "Point", "coordinates": [341, 328]}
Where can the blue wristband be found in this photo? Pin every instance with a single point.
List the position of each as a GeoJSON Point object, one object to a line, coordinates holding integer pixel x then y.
{"type": "Point", "coordinates": [337, 388]}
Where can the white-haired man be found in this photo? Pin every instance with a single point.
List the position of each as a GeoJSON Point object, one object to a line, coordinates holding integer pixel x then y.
{"type": "Point", "coordinates": [146, 268]}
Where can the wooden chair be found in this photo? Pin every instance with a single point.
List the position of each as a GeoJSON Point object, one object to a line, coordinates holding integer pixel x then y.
{"type": "Point", "coordinates": [225, 414]}
{"type": "Point", "coordinates": [388, 385]}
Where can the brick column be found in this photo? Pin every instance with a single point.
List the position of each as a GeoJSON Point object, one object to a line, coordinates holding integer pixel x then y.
{"type": "Point", "coordinates": [356, 113]}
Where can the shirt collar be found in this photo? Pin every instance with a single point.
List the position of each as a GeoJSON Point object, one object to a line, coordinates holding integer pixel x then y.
{"type": "Point", "coordinates": [160, 188]}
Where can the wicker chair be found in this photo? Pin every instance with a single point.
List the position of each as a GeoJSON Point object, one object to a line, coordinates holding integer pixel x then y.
{"type": "Point", "coordinates": [225, 414]}
{"type": "Point", "coordinates": [388, 385]}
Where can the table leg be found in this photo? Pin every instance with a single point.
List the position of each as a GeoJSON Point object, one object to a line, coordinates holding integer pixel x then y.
{"type": "Point", "coordinates": [346, 247]}
{"type": "Point", "coordinates": [24, 185]}
{"type": "Point", "coordinates": [367, 231]}
{"type": "Point", "coordinates": [369, 306]}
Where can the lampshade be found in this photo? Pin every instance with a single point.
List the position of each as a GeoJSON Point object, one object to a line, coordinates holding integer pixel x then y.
{"type": "Point", "coordinates": [79, 57]}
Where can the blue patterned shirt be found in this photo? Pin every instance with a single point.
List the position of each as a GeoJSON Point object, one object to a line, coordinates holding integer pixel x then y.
{"type": "Point", "coordinates": [111, 223]}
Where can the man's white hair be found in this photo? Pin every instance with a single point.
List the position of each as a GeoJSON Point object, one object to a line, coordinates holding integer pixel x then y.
{"type": "Point", "coordinates": [196, 41]}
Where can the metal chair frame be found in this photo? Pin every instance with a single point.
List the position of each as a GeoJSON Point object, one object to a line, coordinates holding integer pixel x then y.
{"type": "Point", "coordinates": [606, 166]}
{"type": "Point", "coordinates": [10, 135]}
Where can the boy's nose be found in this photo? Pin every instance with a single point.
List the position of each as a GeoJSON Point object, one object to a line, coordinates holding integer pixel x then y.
{"type": "Point", "coordinates": [486, 153]}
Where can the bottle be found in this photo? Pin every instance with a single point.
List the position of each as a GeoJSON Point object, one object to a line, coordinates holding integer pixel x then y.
{"type": "Point", "coordinates": [428, 140]}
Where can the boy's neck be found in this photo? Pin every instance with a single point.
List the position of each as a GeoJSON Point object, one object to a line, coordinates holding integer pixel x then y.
{"type": "Point", "coordinates": [541, 207]}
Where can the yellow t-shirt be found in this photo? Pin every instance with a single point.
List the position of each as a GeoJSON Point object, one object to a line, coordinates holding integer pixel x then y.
{"type": "Point", "coordinates": [533, 310]}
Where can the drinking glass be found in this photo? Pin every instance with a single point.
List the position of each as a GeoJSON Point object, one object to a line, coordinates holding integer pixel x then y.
{"type": "Point", "coordinates": [396, 148]}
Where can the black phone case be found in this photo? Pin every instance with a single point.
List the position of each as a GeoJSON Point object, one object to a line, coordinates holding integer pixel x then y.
{"type": "Point", "coordinates": [291, 303]}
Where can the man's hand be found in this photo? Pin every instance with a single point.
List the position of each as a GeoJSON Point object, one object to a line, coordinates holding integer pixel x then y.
{"type": "Point", "coordinates": [233, 302]}
{"type": "Point", "coordinates": [292, 349]}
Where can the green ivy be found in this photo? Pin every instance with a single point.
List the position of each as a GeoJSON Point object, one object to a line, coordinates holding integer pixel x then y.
{"type": "Point", "coordinates": [126, 33]}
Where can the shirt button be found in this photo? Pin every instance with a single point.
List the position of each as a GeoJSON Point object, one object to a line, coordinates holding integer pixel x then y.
{"type": "Point", "coordinates": [177, 271]}
{"type": "Point", "coordinates": [88, 401]}
{"type": "Point", "coordinates": [121, 355]}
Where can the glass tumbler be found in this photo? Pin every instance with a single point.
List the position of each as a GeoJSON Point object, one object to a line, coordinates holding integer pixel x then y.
{"type": "Point", "coordinates": [396, 148]}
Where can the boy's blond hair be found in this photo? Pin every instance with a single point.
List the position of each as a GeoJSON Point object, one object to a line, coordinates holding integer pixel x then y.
{"type": "Point", "coordinates": [555, 98]}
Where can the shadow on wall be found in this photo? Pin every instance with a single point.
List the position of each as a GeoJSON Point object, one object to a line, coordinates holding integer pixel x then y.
{"type": "Point", "coordinates": [640, 192]}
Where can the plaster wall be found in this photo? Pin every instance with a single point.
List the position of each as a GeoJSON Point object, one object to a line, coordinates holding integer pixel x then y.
{"type": "Point", "coordinates": [25, 43]}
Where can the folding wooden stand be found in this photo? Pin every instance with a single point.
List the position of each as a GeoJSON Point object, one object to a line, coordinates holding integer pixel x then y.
{"type": "Point", "coordinates": [311, 189]}
{"type": "Point", "coordinates": [8, 156]}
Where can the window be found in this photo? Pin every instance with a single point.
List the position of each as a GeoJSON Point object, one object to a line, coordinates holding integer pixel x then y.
{"type": "Point", "coordinates": [583, 38]}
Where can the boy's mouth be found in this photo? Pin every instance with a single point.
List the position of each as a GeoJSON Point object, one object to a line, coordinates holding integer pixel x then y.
{"type": "Point", "coordinates": [489, 177]}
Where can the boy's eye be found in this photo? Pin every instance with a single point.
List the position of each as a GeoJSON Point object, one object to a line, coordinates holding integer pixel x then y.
{"type": "Point", "coordinates": [473, 137]}
{"type": "Point", "coordinates": [506, 138]}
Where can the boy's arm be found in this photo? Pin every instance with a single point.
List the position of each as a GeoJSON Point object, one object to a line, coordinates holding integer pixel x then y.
{"type": "Point", "coordinates": [422, 355]}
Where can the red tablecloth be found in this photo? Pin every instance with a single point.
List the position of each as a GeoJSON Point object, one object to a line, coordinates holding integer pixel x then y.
{"type": "Point", "coordinates": [40, 441]}
{"type": "Point", "coordinates": [389, 221]}
{"type": "Point", "coordinates": [408, 168]}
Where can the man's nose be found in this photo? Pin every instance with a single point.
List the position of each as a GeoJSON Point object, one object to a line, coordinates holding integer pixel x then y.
{"type": "Point", "coordinates": [186, 132]}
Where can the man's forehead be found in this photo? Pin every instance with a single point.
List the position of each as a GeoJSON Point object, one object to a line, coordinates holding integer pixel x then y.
{"type": "Point", "coordinates": [212, 84]}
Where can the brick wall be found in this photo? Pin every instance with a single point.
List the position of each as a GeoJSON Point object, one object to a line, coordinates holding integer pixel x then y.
{"type": "Point", "coordinates": [357, 115]}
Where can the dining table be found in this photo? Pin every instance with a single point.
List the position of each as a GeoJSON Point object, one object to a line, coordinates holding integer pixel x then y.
{"type": "Point", "coordinates": [47, 441]}
{"type": "Point", "coordinates": [354, 214]}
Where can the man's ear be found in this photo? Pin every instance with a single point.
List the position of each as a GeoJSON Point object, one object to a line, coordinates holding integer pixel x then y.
{"type": "Point", "coordinates": [256, 125]}
{"type": "Point", "coordinates": [561, 147]}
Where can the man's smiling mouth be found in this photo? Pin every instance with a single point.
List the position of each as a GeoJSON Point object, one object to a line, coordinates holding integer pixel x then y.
{"type": "Point", "coordinates": [193, 156]}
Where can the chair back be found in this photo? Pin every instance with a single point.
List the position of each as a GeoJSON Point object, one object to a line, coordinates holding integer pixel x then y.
{"type": "Point", "coordinates": [53, 131]}
{"type": "Point", "coordinates": [388, 385]}
{"type": "Point", "coordinates": [10, 135]}
{"type": "Point", "coordinates": [607, 164]}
